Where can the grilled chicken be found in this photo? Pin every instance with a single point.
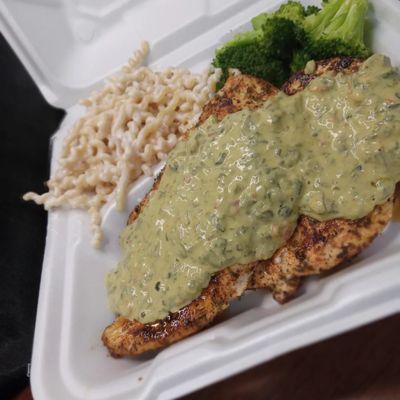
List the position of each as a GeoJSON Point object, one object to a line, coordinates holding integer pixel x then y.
{"type": "Point", "coordinates": [314, 246]}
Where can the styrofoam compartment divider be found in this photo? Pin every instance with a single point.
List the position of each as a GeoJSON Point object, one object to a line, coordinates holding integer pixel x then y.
{"type": "Point", "coordinates": [69, 46]}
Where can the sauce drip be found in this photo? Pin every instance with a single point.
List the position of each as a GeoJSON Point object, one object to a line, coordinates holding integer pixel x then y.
{"type": "Point", "coordinates": [232, 192]}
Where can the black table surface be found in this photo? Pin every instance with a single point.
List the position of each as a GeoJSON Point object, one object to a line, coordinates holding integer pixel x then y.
{"type": "Point", "coordinates": [27, 123]}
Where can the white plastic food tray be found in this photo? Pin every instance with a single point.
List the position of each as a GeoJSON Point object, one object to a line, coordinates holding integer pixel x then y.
{"type": "Point", "coordinates": [69, 47]}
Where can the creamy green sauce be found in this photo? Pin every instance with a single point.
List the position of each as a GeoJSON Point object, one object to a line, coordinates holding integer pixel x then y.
{"type": "Point", "coordinates": [232, 192]}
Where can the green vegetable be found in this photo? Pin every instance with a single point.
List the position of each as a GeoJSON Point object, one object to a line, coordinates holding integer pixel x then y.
{"type": "Point", "coordinates": [312, 10]}
{"type": "Point", "coordinates": [283, 41]}
{"type": "Point", "coordinates": [337, 30]}
{"type": "Point", "coordinates": [265, 52]}
{"type": "Point", "coordinates": [292, 10]}
{"type": "Point", "coordinates": [254, 54]}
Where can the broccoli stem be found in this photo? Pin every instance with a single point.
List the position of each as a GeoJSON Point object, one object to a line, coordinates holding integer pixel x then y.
{"type": "Point", "coordinates": [339, 19]}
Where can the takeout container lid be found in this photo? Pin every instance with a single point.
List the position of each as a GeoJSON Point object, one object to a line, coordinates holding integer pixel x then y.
{"type": "Point", "coordinates": [70, 46]}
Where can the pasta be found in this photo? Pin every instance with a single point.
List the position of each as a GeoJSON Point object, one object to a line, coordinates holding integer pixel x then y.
{"type": "Point", "coordinates": [129, 126]}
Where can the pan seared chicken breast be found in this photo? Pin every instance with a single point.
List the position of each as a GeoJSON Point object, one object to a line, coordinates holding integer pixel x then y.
{"type": "Point", "coordinates": [314, 247]}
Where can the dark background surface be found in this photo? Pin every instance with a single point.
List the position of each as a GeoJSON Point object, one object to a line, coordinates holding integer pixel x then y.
{"type": "Point", "coordinates": [360, 365]}
{"type": "Point", "coordinates": [27, 123]}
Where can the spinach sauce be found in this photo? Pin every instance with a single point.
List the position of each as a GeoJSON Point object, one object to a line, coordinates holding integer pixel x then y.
{"type": "Point", "coordinates": [232, 192]}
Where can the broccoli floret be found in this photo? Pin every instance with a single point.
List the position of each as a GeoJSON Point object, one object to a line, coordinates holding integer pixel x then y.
{"type": "Point", "coordinates": [242, 39]}
{"type": "Point", "coordinates": [265, 52]}
{"type": "Point", "coordinates": [250, 57]}
{"type": "Point", "coordinates": [242, 50]}
{"type": "Point", "coordinates": [300, 59]}
{"type": "Point", "coordinates": [339, 19]}
{"type": "Point", "coordinates": [337, 30]}
{"type": "Point", "coordinates": [283, 41]}
{"type": "Point", "coordinates": [311, 10]}
{"type": "Point", "coordinates": [258, 21]}
{"type": "Point", "coordinates": [281, 37]}
{"type": "Point", "coordinates": [292, 10]}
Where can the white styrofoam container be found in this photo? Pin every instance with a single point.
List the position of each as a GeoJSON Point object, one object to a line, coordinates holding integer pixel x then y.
{"type": "Point", "coordinates": [69, 46]}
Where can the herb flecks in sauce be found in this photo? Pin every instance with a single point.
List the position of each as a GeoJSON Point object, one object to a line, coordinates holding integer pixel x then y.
{"type": "Point", "coordinates": [232, 192]}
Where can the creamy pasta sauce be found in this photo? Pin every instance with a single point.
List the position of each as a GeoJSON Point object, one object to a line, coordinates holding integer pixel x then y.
{"type": "Point", "coordinates": [232, 192]}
